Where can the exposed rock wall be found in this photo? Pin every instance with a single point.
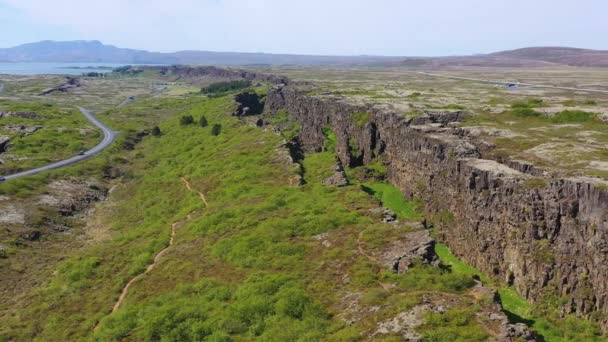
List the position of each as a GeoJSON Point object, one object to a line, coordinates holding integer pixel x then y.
{"type": "Point", "coordinates": [213, 74]}
{"type": "Point", "coordinates": [540, 235]}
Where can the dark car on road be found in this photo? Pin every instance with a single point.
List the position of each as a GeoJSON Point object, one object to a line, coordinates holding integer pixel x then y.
{"type": "Point", "coordinates": [81, 153]}
{"type": "Point", "coordinates": [2, 179]}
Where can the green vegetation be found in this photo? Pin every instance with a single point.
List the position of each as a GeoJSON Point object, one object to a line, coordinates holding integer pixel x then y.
{"type": "Point", "coordinates": [330, 139]}
{"type": "Point", "coordinates": [361, 118]}
{"type": "Point", "coordinates": [575, 103]}
{"type": "Point", "coordinates": [572, 116]}
{"type": "Point", "coordinates": [128, 70]}
{"type": "Point", "coordinates": [280, 117]}
{"type": "Point", "coordinates": [264, 260]}
{"type": "Point", "coordinates": [289, 129]}
{"type": "Point", "coordinates": [526, 108]}
{"type": "Point", "coordinates": [353, 148]}
{"type": "Point", "coordinates": [50, 134]}
{"type": "Point", "coordinates": [250, 265]}
{"type": "Point", "coordinates": [186, 120]}
{"type": "Point", "coordinates": [203, 121]}
{"type": "Point", "coordinates": [545, 321]}
{"type": "Point", "coordinates": [414, 113]}
{"type": "Point", "coordinates": [223, 87]}
{"type": "Point", "coordinates": [528, 103]}
{"type": "Point", "coordinates": [458, 324]}
{"type": "Point", "coordinates": [216, 129]}
{"type": "Point", "coordinates": [392, 198]}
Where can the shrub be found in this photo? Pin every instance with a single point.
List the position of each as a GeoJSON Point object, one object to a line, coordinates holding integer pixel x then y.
{"type": "Point", "coordinates": [361, 118]}
{"type": "Point", "coordinates": [525, 112]}
{"type": "Point", "coordinates": [203, 121]}
{"type": "Point", "coordinates": [568, 116]}
{"type": "Point", "coordinates": [330, 139]}
{"type": "Point", "coordinates": [529, 103]}
{"type": "Point", "coordinates": [186, 120]}
{"type": "Point", "coordinates": [216, 129]}
{"type": "Point", "coordinates": [156, 131]}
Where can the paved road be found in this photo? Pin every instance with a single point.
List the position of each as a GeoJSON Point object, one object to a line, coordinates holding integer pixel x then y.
{"type": "Point", "coordinates": [108, 138]}
{"type": "Point", "coordinates": [520, 84]}
{"type": "Point", "coordinates": [126, 102]}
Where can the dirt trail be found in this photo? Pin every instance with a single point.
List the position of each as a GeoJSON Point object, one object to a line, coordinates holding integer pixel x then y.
{"type": "Point", "coordinates": [158, 256]}
{"type": "Point", "coordinates": [150, 267]}
{"type": "Point", "coordinates": [200, 194]}
{"type": "Point", "coordinates": [362, 250]}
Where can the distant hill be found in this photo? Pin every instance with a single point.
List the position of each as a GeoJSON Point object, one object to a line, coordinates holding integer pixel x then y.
{"type": "Point", "coordinates": [525, 57]}
{"type": "Point", "coordinates": [559, 55]}
{"type": "Point", "coordinates": [97, 52]}
{"type": "Point", "coordinates": [80, 51]}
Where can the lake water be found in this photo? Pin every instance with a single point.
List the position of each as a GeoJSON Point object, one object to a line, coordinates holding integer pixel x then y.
{"type": "Point", "coordinates": [56, 68]}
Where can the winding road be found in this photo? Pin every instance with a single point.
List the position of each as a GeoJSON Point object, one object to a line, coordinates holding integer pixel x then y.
{"type": "Point", "coordinates": [517, 83]}
{"type": "Point", "coordinates": [108, 138]}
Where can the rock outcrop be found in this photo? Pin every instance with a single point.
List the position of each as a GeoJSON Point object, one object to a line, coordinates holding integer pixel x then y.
{"type": "Point", "coordinates": [208, 74]}
{"type": "Point", "coordinates": [4, 143]}
{"type": "Point", "coordinates": [23, 115]}
{"type": "Point", "coordinates": [70, 82]}
{"type": "Point", "coordinates": [541, 236]}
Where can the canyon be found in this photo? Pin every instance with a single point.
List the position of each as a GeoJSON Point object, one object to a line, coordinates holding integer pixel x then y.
{"type": "Point", "coordinates": [547, 237]}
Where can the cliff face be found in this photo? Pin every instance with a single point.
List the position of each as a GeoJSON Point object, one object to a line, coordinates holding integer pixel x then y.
{"type": "Point", "coordinates": [543, 236]}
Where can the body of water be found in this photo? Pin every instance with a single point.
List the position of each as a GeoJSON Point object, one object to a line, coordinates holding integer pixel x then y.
{"type": "Point", "coordinates": [57, 68]}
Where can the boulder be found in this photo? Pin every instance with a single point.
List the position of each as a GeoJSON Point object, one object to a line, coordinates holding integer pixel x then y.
{"type": "Point", "coordinates": [3, 143]}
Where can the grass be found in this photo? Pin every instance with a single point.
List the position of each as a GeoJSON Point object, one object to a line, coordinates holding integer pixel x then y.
{"type": "Point", "coordinates": [266, 260]}
{"type": "Point", "coordinates": [361, 118]}
{"type": "Point", "coordinates": [61, 133]}
{"type": "Point", "coordinates": [521, 311]}
{"type": "Point", "coordinates": [392, 198]}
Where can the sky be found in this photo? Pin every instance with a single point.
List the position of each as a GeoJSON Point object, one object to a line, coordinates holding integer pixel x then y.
{"type": "Point", "coordinates": [326, 27]}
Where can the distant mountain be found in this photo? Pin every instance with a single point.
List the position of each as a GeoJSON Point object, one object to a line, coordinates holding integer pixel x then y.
{"type": "Point", "coordinates": [95, 51]}
{"type": "Point", "coordinates": [559, 55]}
{"type": "Point", "coordinates": [80, 51]}
{"type": "Point", "coordinates": [525, 57]}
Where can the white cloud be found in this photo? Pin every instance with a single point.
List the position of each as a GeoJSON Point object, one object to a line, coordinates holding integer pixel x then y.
{"type": "Point", "coordinates": [324, 26]}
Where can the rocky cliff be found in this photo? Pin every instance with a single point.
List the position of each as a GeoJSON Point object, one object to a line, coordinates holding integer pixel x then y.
{"type": "Point", "coordinates": [545, 236]}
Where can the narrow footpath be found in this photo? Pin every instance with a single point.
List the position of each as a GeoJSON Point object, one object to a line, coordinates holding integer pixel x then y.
{"type": "Point", "coordinates": [159, 255]}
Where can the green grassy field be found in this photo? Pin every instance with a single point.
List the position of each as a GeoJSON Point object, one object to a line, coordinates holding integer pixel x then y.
{"type": "Point", "coordinates": [266, 259]}
{"type": "Point", "coordinates": [61, 132]}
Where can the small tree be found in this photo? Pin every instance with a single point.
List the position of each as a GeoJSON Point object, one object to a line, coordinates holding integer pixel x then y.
{"type": "Point", "coordinates": [216, 129]}
{"type": "Point", "coordinates": [156, 131]}
{"type": "Point", "coordinates": [203, 121]}
{"type": "Point", "coordinates": [186, 120]}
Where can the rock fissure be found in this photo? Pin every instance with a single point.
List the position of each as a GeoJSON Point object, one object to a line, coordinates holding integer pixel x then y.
{"type": "Point", "coordinates": [488, 211]}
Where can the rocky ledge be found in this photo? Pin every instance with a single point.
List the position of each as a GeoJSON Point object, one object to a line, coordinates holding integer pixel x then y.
{"type": "Point", "coordinates": [544, 236]}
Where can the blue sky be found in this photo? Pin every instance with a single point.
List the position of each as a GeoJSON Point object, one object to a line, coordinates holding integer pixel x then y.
{"type": "Point", "coordinates": [344, 27]}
